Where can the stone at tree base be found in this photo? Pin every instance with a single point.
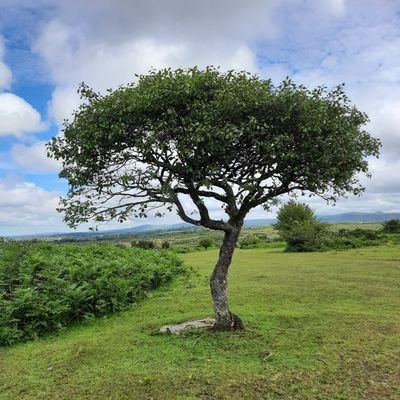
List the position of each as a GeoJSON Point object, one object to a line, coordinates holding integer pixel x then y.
{"type": "Point", "coordinates": [186, 326]}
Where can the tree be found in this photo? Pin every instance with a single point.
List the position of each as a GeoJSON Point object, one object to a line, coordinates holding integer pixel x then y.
{"type": "Point", "coordinates": [200, 135]}
{"type": "Point", "coordinates": [391, 226]}
{"type": "Point", "coordinates": [299, 227]}
{"type": "Point", "coordinates": [250, 241]}
{"type": "Point", "coordinates": [206, 242]}
{"type": "Point", "coordinates": [165, 244]}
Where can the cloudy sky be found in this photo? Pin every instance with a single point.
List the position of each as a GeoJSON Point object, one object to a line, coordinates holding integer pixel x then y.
{"type": "Point", "coordinates": [47, 47]}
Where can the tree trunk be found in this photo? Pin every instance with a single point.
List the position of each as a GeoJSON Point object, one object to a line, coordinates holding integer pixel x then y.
{"type": "Point", "coordinates": [224, 319]}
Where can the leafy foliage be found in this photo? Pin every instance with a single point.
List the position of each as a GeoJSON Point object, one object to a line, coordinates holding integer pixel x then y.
{"type": "Point", "coordinates": [143, 244]}
{"type": "Point", "coordinates": [45, 287]}
{"type": "Point", "coordinates": [301, 230]}
{"type": "Point", "coordinates": [206, 242]}
{"type": "Point", "coordinates": [165, 244]}
{"type": "Point", "coordinates": [351, 239]}
{"type": "Point", "coordinates": [299, 227]}
{"type": "Point", "coordinates": [232, 137]}
{"type": "Point", "coordinates": [250, 242]}
{"type": "Point", "coordinates": [391, 226]}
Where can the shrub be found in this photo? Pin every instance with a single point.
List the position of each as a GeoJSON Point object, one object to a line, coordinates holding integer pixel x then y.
{"type": "Point", "coordinates": [305, 237]}
{"type": "Point", "coordinates": [165, 244]}
{"type": "Point", "coordinates": [206, 242]}
{"type": "Point", "coordinates": [350, 239]}
{"type": "Point", "coordinates": [299, 227]}
{"type": "Point", "coordinates": [250, 242]}
{"type": "Point", "coordinates": [45, 287]}
{"type": "Point", "coordinates": [143, 244]}
{"type": "Point", "coordinates": [391, 226]}
{"type": "Point", "coordinates": [185, 249]}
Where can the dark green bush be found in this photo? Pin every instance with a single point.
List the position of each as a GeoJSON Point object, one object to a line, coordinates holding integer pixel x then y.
{"type": "Point", "coordinates": [185, 249]}
{"type": "Point", "coordinates": [250, 242]}
{"type": "Point", "coordinates": [45, 287]}
{"type": "Point", "coordinates": [299, 227]}
{"type": "Point", "coordinates": [143, 244]}
{"type": "Point", "coordinates": [391, 226]}
{"type": "Point", "coordinates": [305, 237]}
{"type": "Point", "coordinates": [206, 242]}
{"type": "Point", "coordinates": [165, 244]}
{"type": "Point", "coordinates": [351, 239]}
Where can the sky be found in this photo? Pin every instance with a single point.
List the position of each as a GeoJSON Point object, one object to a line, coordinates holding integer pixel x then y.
{"type": "Point", "coordinates": [47, 47]}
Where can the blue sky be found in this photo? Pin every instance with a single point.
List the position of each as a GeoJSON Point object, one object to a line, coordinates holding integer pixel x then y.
{"type": "Point", "coordinates": [47, 47]}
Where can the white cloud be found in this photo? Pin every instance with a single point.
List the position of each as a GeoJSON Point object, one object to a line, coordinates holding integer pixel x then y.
{"type": "Point", "coordinates": [81, 45]}
{"type": "Point", "coordinates": [17, 116]}
{"type": "Point", "coordinates": [170, 19]}
{"type": "Point", "coordinates": [5, 76]}
{"type": "Point", "coordinates": [385, 123]}
{"type": "Point", "coordinates": [5, 72]}
{"type": "Point", "coordinates": [336, 7]}
{"type": "Point", "coordinates": [33, 158]}
{"type": "Point", "coordinates": [64, 100]}
{"type": "Point", "coordinates": [25, 207]}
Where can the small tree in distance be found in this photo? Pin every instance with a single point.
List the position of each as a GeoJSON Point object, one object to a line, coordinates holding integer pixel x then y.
{"type": "Point", "coordinates": [206, 242]}
{"type": "Point", "coordinates": [299, 227]}
{"type": "Point", "coordinates": [391, 226]}
{"type": "Point", "coordinates": [198, 135]}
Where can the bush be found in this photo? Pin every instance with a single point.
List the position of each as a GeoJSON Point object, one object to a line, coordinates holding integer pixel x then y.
{"type": "Point", "coordinates": [350, 239]}
{"type": "Point", "coordinates": [165, 244]}
{"type": "Point", "coordinates": [391, 226]}
{"type": "Point", "coordinates": [250, 242]}
{"type": "Point", "coordinates": [143, 244]}
{"type": "Point", "coordinates": [305, 237]}
{"type": "Point", "coordinates": [206, 242]}
{"type": "Point", "coordinates": [185, 249]}
{"type": "Point", "coordinates": [45, 287]}
{"type": "Point", "coordinates": [299, 227]}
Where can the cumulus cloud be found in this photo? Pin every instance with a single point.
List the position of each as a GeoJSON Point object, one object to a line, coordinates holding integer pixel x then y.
{"type": "Point", "coordinates": [17, 116]}
{"type": "Point", "coordinates": [26, 207]}
{"type": "Point", "coordinates": [33, 158]}
{"type": "Point", "coordinates": [170, 19]}
{"type": "Point", "coordinates": [107, 47]}
{"type": "Point", "coordinates": [385, 123]}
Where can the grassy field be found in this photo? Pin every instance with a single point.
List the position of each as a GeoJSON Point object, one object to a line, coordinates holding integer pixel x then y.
{"type": "Point", "coordinates": [319, 326]}
{"type": "Point", "coordinates": [191, 237]}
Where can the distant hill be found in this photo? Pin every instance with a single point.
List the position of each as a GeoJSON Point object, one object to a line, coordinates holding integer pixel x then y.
{"type": "Point", "coordinates": [354, 217]}
{"type": "Point", "coordinates": [259, 222]}
{"type": "Point", "coordinates": [107, 234]}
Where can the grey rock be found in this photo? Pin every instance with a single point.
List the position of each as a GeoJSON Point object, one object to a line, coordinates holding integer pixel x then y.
{"type": "Point", "coordinates": [186, 326]}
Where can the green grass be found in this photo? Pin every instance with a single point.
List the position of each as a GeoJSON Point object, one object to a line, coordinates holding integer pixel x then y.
{"type": "Point", "coordinates": [319, 326]}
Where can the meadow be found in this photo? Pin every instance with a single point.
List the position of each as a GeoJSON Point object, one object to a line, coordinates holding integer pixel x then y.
{"type": "Point", "coordinates": [318, 326]}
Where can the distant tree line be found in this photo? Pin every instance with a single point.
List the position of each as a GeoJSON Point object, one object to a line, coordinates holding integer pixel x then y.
{"type": "Point", "coordinates": [303, 232]}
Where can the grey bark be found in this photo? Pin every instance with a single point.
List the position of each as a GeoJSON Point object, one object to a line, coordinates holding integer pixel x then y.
{"type": "Point", "coordinates": [224, 319]}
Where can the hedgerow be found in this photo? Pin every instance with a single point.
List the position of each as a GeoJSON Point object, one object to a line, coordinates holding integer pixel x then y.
{"type": "Point", "coordinates": [46, 287]}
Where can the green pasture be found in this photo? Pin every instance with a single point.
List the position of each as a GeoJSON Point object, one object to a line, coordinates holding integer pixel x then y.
{"type": "Point", "coordinates": [319, 326]}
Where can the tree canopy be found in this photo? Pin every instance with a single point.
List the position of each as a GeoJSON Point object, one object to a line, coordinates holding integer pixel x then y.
{"type": "Point", "coordinates": [198, 135]}
{"type": "Point", "coordinates": [228, 136]}
{"type": "Point", "coordinates": [293, 213]}
{"type": "Point", "coordinates": [391, 226]}
{"type": "Point", "coordinates": [299, 227]}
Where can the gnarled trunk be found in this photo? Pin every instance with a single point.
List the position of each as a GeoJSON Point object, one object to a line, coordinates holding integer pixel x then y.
{"type": "Point", "coordinates": [224, 319]}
